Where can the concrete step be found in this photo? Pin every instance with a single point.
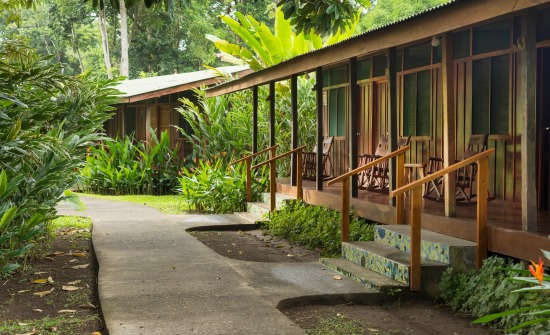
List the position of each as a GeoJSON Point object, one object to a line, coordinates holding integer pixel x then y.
{"type": "Point", "coordinates": [258, 209]}
{"type": "Point", "coordinates": [385, 260]}
{"type": "Point", "coordinates": [460, 254]}
{"type": "Point", "coordinates": [364, 276]}
{"type": "Point", "coordinates": [249, 218]}
{"type": "Point", "coordinates": [280, 199]}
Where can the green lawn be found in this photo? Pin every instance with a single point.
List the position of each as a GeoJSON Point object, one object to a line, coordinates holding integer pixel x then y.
{"type": "Point", "coordinates": [170, 204]}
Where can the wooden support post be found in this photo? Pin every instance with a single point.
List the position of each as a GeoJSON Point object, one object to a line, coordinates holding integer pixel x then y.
{"type": "Point", "coordinates": [294, 112]}
{"type": "Point", "coordinates": [400, 199]}
{"type": "Point", "coordinates": [148, 124]}
{"type": "Point", "coordinates": [393, 115]}
{"type": "Point", "coordinates": [319, 90]}
{"type": "Point", "coordinates": [271, 113]}
{"type": "Point", "coordinates": [299, 188]}
{"type": "Point", "coordinates": [255, 119]}
{"type": "Point", "coordinates": [272, 181]}
{"type": "Point", "coordinates": [449, 136]}
{"type": "Point", "coordinates": [248, 179]}
{"type": "Point", "coordinates": [354, 123]}
{"type": "Point", "coordinates": [526, 108]}
{"type": "Point", "coordinates": [416, 225]}
{"type": "Point", "coordinates": [482, 195]}
{"type": "Point", "coordinates": [345, 209]}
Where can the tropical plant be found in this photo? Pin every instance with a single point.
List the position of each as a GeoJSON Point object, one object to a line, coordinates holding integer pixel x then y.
{"type": "Point", "coordinates": [212, 187]}
{"type": "Point", "coordinates": [316, 227]}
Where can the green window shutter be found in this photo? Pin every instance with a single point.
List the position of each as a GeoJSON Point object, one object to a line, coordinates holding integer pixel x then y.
{"type": "Point", "coordinates": [341, 130]}
{"type": "Point", "coordinates": [409, 105]}
{"type": "Point", "coordinates": [423, 112]}
{"type": "Point", "coordinates": [500, 94]}
{"type": "Point", "coordinates": [481, 94]}
{"type": "Point", "coordinates": [333, 112]}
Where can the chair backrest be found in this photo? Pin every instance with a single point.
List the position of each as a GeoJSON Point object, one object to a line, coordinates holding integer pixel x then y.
{"type": "Point", "coordinates": [382, 148]}
{"type": "Point", "coordinates": [477, 143]}
{"type": "Point", "coordinates": [327, 145]}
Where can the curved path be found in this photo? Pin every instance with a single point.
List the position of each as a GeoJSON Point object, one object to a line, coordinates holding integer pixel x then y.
{"type": "Point", "coordinates": [155, 278]}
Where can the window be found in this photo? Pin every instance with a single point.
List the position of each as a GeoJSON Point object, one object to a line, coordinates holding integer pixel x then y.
{"type": "Point", "coordinates": [337, 111]}
{"type": "Point", "coordinates": [417, 104]}
{"type": "Point", "coordinates": [491, 37]}
{"type": "Point", "coordinates": [418, 55]}
{"type": "Point", "coordinates": [461, 44]}
{"type": "Point", "coordinates": [543, 25]}
{"type": "Point", "coordinates": [129, 121]}
{"type": "Point", "coordinates": [335, 76]}
{"type": "Point", "coordinates": [379, 67]}
{"type": "Point", "coordinates": [490, 95]}
{"type": "Point", "coordinates": [364, 69]}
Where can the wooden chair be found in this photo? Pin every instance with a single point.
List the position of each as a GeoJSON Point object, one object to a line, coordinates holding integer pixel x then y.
{"type": "Point", "coordinates": [309, 160]}
{"type": "Point", "coordinates": [466, 176]}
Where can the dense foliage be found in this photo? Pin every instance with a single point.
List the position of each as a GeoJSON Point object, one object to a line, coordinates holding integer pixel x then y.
{"type": "Point", "coordinates": [216, 188]}
{"type": "Point", "coordinates": [316, 227]}
{"type": "Point", "coordinates": [490, 291]}
{"type": "Point", "coordinates": [128, 167]}
{"type": "Point", "coordinates": [47, 120]}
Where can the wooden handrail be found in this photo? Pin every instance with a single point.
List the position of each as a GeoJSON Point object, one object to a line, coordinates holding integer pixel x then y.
{"type": "Point", "coordinates": [369, 165]}
{"type": "Point", "coordinates": [253, 155]}
{"type": "Point", "coordinates": [279, 156]}
{"type": "Point", "coordinates": [442, 172]}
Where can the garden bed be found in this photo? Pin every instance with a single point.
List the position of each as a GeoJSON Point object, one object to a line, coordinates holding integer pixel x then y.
{"type": "Point", "coordinates": [255, 246]}
{"type": "Point", "coordinates": [57, 292]}
{"type": "Point", "coordinates": [414, 316]}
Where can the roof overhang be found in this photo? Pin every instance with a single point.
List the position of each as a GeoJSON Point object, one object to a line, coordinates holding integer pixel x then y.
{"type": "Point", "coordinates": [454, 16]}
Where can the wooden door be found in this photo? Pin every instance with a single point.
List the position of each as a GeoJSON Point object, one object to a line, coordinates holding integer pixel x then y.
{"type": "Point", "coordinates": [543, 129]}
{"type": "Point", "coordinates": [374, 115]}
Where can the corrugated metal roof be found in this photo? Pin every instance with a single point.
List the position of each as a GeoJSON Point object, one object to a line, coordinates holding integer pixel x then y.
{"type": "Point", "coordinates": [130, 88]}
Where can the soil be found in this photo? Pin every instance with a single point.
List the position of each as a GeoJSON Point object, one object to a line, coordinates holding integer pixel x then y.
{"type": "Point", "coordinates": [255, 246]}
{"type": "Point", "coordinates": [19, 303]}
{"type": "Point", "coordinates": [418, 317]}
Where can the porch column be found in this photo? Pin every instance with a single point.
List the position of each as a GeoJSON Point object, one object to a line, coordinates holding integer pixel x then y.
{"type": "Point", "coordinates": [393, 115]}
{"type": "Point", "coordinates": [449, 135]}
{"type": "Point", "coordinates": [354, 123]}
{"type": "Point", "coordinates": [319, 90]}
{"type": "Point", "coordinates": [272, 113]}
{"type": "Point", "coordinates": [526, 109]}
{"type": "Point", "coordinates": [255, 119]}
{"type": "Point", "coordinates": [148, 122]}
{"type": "Point", "coordinates": [294, 106]}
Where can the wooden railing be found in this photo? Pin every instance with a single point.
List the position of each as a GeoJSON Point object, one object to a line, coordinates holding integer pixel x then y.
{"type": "Point", "coordinates": [248, 160]}
{"type": "Point", "coordinates": [273, 174]}
{"type": "Point", "coordinates": [345, 179]}
{"type": "Point", "coordinates": [482, 161]}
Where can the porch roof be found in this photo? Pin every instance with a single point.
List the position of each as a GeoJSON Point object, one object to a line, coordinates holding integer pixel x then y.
{"type": "Point", "coordinates": [450, 16]}
{"type": "Point", "coordinates": [147, 88]}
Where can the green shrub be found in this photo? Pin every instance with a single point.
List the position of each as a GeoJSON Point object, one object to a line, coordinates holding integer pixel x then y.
{"type": "Point", "coordinates": [126, 167]}
{"type": "Point", "coordinates": [316, 227]}
{"type": "Point", "coordinates": [214, 188]}
{"type": "Point", "coordinates": [490, 291]}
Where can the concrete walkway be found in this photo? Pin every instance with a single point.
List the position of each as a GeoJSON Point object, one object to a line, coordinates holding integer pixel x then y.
{"type": "Point", "coordinates": [155, 278]}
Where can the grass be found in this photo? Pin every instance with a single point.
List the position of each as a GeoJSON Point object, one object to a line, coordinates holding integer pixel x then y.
{"type": "Point", "coordinates": [79, 226]}
{"type": "Point", "coordinates": [170, 204]}
{"type": "Point", "coordinates": [337, 325]}
{"type": "Point", "coordinates": [61, 325]}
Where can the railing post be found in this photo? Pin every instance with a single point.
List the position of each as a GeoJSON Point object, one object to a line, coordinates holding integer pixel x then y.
{"type": "Point", "coordinates": [299, 189]}
{"type": "Point", "coordinates": [482, 193]}
{"type": "Point", "coordinates": [248, 180]}
{"type": "Point", "coordinates": [400, 180]}
{"type": "Point", "coordinates": [272, 181]}
{"type": "Point", "coordinates": [345, 209]}
{"type": "Point", "coordinates": [416, 265]}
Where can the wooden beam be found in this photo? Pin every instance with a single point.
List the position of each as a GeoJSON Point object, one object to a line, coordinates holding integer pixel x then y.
{"type": "Point", "coordinates": [393, 115]}
{"type": "Point", "coordinates": [345, 209]}
{"type": "Point", "coordinates": [148, 123]}
{"type": "Point", "coordinates": [481, 210]}
{"type": "Point", "coordinates": [526, 109]}
{"type": "Point", "coordinates": [449, 130]}
{"type": "Point", "coordinates": [354, 123]}
{"type": "Point", "coordinates": [451, 17]}
{"type": "Point", "coordinates": [272, 113]}
{"type": "Point", "coordinates": [294, 115]}
{"type": "Point", "coordinates": [319, 90]}
{"type": "Point", "coordinates": [416, 240]}
{"type": "Point", "coordinates": [254, 119]}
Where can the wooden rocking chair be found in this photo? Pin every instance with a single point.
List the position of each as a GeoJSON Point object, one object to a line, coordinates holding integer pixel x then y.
{"type": "Point", "coordinates": [310, 159]}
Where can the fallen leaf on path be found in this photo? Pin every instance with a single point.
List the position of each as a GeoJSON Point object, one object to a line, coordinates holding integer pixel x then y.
{"type": "Point", "coordinates": [96, 333]}
{"type": "Point", "coordinates": [50, 280]}
{"type": "Point", "coordinates": [44, 293]}
{"type": "Point", "coordinates": [290, 255]}
{"type": "Point", "coordinates": [373, 330]}
{"type": "Point", "coordinates": [37, 310]}
{"type": "Point", "coordinates": [337, 277]}
{"type": "Point", "coordinates": [81, 266]}
{"type": "Point", "coordinates": [73, 260]}
{"type": "Point", "coordinates": [23, 291]}
{"type": "Point", "coordinates": [74, 282]}
{"type": "Point", "coordinates": [70, 288]}
{"type": "Point", "coordinates": [22, 324]}
{"type": "Point", "coordinates": [88, 306]}
{"type": "Point", "coordinates": [79, 254]}
{"type": "Point", "coordinates": [29, 333]}
{"type": "Point", "coordinates": [49, 258]}
{"type": "Point", "coordinates": [66, 311]}
{"type": "Point", "coordinates": [40, 273]}
{"type": "Point", "coordinates": [40, 281]}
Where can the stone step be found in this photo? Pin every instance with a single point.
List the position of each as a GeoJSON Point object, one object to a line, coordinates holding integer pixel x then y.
{"type": "Point", "coordinates": [258, 209]}
{"type": "Point", "coordinates": [280, 199]}
{"type": "Point", "coordinates": [460, 254]}
{"type": "Point", "coordinates": [383, 259]}
{"type": "Point", "coordinates": [364, 276]}
{"type": "Point", "coordinates": [250, 218]}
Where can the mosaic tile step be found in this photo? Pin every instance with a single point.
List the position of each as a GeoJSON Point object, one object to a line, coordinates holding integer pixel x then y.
{"type": "Point", "coordinates": [366, 277]}
{"type": "Point", "coordinates": [279, 199]}
{"type": "Point", "coordinates": [435, 247]}
{"type": "Point", "coordinates": [258, 208]}
{"type": "Point", "coordinates": [380, 258]}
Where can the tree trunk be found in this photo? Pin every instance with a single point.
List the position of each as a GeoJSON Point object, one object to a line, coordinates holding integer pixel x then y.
{"type": "Point", "coordinates": [105, 42]}
{"type": "Point", "coordinates": [75, 48]}
{"type": "Point", "coordinates": [124, 62]}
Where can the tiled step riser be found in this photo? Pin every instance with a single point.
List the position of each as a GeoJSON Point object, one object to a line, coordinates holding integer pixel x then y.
{"type": "Point", "coordinates": [379, 264]}
{"type": "Point", "coordinates": [257, 210]}
{"type": "Point", "coordinates": [458, 257]}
